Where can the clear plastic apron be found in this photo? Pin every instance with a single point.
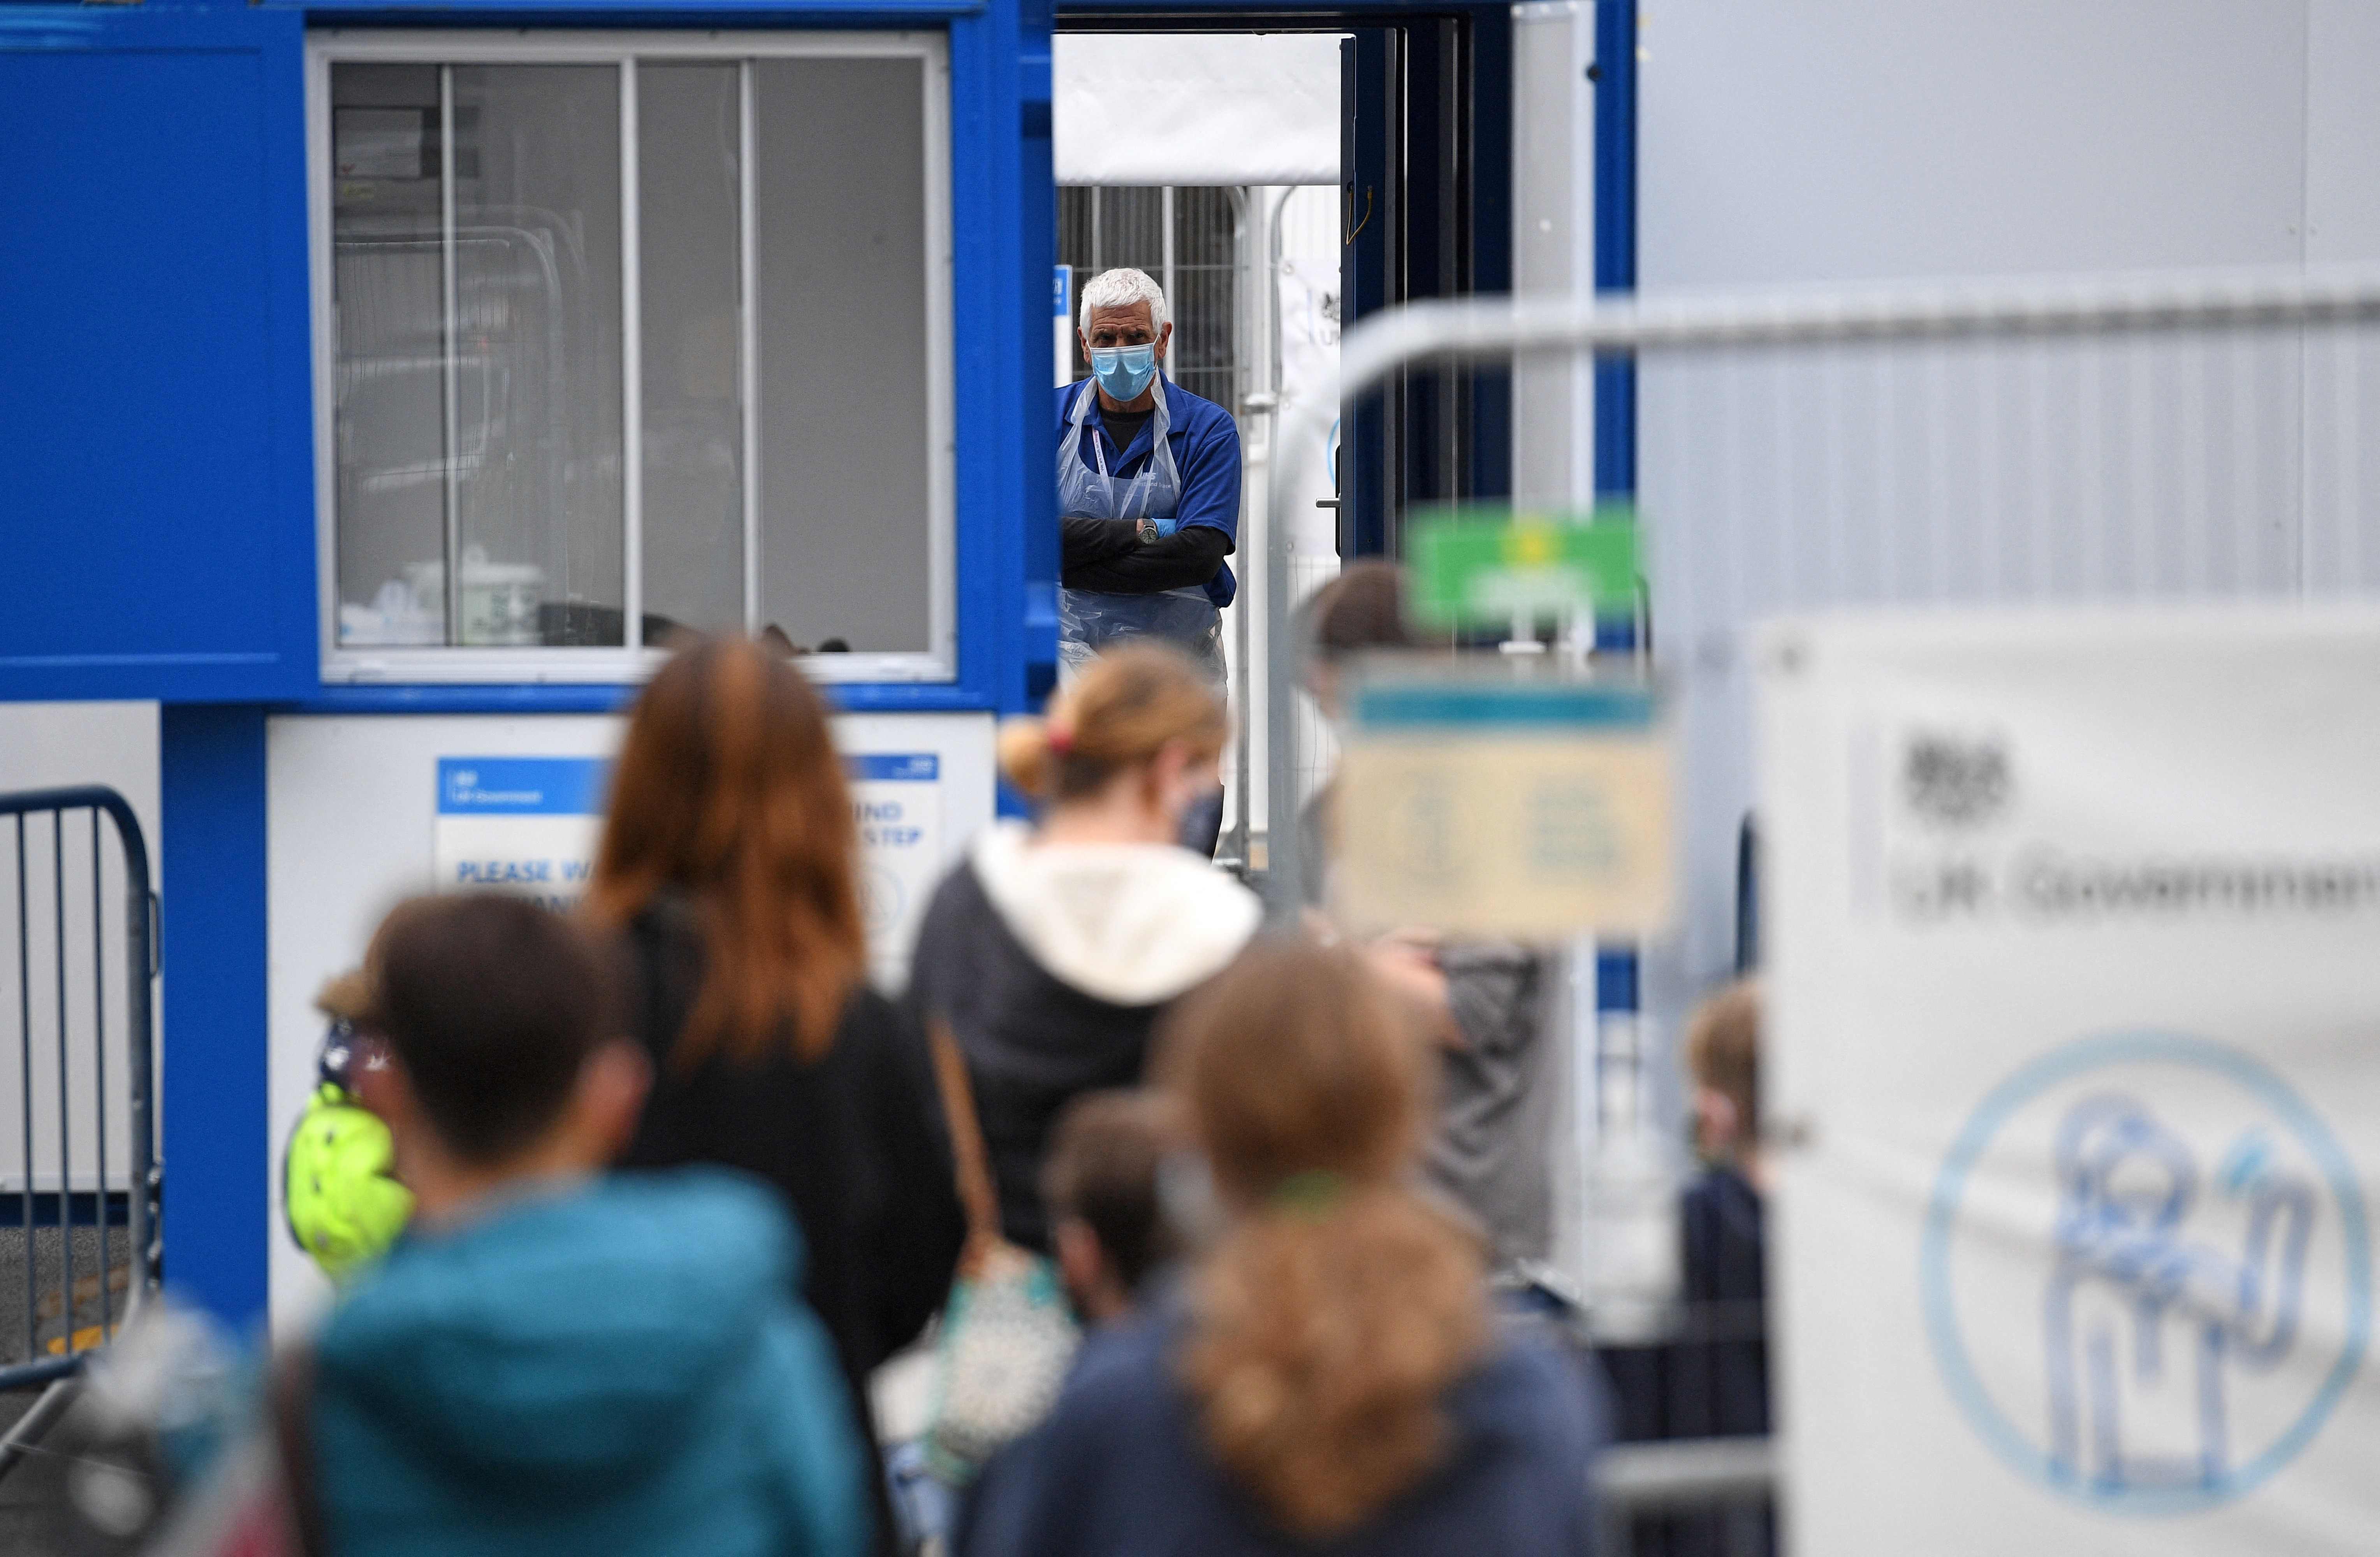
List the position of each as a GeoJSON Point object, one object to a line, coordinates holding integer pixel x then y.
{"type": "Point", "coordinates": [1091, 619]}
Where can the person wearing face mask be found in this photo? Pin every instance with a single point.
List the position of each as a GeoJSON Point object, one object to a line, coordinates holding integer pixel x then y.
{"type": "Point", "coordinates": [1148, 488]}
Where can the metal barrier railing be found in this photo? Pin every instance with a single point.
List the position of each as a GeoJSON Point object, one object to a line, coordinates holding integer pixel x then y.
{"type": "Point", "coordinates": [1729, 1482]}
{"type": "Point", "coordinates": [2004, 440]}
{"type": "Point", "coordinates": [85, 1155]}
{"type": "Point", "coordinates": [1498, 329]}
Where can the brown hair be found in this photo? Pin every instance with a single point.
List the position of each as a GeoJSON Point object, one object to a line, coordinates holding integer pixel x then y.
{"type": "Point", "coordinates": [346, 998]}
{"type": "Point", "coordinates": [1102, 1169]}
{"type": "Point", "coordinates": [1121, 712]}
{"type": "Point", "coordinates": [1723, 1050]}
{"type": "Point", "coordinates": [1332, 1317]}
{"type": "Point", "coordinates": [1364, 607]}
{"type": "Point", "coordinates": [729, 788]}
{"type": "Point", "coordinates": [493, 1005]}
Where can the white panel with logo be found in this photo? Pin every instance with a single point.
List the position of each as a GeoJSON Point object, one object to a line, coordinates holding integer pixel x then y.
{"type": "Point", "coordinates": [366, 810]}
{"type": "Point", "coordinates": [2073, 928]}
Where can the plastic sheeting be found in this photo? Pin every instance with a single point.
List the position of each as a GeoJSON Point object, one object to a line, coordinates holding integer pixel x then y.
{"type": "Point", "coordinates": [1168, 108]}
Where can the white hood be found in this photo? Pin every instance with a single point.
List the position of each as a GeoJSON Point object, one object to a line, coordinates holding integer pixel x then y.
{"type": "Point", "coordinates": [1129, 923]}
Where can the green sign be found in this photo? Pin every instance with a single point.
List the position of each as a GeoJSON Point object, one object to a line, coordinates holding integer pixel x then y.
{"type": "Point", "coordinates": [1479, 567]}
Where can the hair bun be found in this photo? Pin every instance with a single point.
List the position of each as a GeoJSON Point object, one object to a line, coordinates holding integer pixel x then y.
{"type": "Point", "coordinates": [1027, 755]}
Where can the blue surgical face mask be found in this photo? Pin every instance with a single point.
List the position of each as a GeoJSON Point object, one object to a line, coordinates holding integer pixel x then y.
{"type": "Point", "coordinates": [1123, 371]}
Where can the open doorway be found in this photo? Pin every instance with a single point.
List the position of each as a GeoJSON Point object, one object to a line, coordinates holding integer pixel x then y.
{"type": "Point", "coordinates": [1211, 161]}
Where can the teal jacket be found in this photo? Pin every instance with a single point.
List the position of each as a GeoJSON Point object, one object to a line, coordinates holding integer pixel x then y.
{"type": "Point", "coordinates": [619, 1369]}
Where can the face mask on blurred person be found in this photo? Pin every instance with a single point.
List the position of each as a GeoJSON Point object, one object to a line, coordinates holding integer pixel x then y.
{"type": "Point", "coordinates": [1123, 371]}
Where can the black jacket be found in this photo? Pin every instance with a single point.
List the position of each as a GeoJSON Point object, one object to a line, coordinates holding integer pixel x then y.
{"type": "Point", "coordinates": [1032, 1041]}
{"type": "Point", "coordinates": [853, 1141]}
{"type": "Point", "coordinates": [1019, 995]}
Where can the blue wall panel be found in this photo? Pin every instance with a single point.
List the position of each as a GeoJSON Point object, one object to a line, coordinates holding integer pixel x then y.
{"type": "Point", "coordinates": [1003, 222]}
{"type": "Point", "coordinates": [1615, 237]}
{"type": "Point", "coordinates": [154, 386]}
{"type": "Point", "coordinates": [217, 1143]}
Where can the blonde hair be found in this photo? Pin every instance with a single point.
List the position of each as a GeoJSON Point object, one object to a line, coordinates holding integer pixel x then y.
{"type": "Point", "coordinates": [1119, 713]}
{"type": "Point", "coordinates": [1329, 1323]}
{"type": "Point", "coordinates": [1723, 1050]}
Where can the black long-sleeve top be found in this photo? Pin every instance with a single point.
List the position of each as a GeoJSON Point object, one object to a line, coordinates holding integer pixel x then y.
{"type": "Point", "coordinates": [853, 1140]}
{"type": "Point", "coordinates": [1108, 555]}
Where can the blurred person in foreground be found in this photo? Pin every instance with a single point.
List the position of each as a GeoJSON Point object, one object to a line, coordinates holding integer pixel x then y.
{"type": "Point", "coordinates": [1107, 1219]}
{"type": "Point", "coordinates": [1330, 1369]}
{"type": "Point", "coordinates": [1051, 951]}
{"type": "Point", "coordinates": [1491, 1150]}
{"type": "Point", "coordinates": [1722, 1380]}
{"type": "Point", "coordinates": [1100, 1185]}
{"type": "Point", "coordinates": [550, 1360]}
{"type": "Point", "coordinates": [729, 865]}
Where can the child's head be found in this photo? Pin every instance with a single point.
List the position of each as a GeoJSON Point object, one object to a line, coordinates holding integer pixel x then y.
{"type": "Point", "coordinates": [1361, 611]}
{"type": "Point", "coordinates": [1723, 1057]}
{"type": "Point", "coordinates": [1100, 1186]}
{"type": "Point", "coordinates": [504, 1060]}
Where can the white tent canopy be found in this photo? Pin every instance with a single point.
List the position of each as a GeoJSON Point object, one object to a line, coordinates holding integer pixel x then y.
{"type": "Point", "coordinates": [1195, 108]}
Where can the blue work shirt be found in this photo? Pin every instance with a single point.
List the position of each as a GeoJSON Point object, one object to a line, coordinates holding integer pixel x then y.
{"type": "Point", "coordinates": [1206, 452]}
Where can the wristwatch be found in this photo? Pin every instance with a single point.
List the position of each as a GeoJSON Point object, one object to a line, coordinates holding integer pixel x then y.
{"type": "Point", "coordinates": [1147, 530]}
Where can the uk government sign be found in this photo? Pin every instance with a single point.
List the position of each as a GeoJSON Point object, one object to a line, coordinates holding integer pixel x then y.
{"type": "Point", "coordinates": [2074, 939]}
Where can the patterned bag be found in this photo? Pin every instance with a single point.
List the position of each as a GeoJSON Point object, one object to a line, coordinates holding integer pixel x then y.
{"type": "Point", "coordinates": [1007, 1334]}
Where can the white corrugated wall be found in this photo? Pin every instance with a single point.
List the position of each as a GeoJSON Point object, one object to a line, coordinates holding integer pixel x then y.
{"type": "Point", "coordinates": [1838, 141]}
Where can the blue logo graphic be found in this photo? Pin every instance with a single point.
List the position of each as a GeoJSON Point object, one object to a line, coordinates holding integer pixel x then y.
{"type": "Point", "coordinates": [522, 786]}
{"type": "Point", "coordinates": [2203, 1294]}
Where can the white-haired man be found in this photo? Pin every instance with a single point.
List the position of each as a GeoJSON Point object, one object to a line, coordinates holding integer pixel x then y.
{"type": "Point", "coordinates": [1149, 487]}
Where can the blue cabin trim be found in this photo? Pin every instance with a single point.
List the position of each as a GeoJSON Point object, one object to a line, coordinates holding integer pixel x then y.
{"type": "Point", "coordinates": [172, 552]}
{"type": "Point", "coordinates": [155, 373]}
{"type": "Point", "coordinates": [218, 1141]}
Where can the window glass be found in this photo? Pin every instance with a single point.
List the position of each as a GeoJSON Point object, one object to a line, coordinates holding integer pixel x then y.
{"type": "Point", "coordinates": [689, 132]}
{"type": "Point", "coordinates": [845, 495]}
{"type": "Point", "coordinates": [791, 458]}
{"type": "Point", "coordinates": [387, 279]}
{"type": "Point", "coordinates": [537, 353]}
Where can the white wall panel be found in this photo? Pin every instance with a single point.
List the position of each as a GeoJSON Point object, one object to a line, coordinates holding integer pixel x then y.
{"type": "Point", "coordinates": [2342, 131]}
{"type": "Point", "coordinates": [331, 877]}
{"type": "Point", "coordinates": [1837, 141]}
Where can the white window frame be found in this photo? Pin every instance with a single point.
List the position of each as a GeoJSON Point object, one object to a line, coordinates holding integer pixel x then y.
{"type": "Point", "coordinates": [354, 665]}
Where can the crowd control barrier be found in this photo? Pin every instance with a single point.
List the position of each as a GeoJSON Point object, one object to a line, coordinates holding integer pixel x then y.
{"type": "Point", "coordinates": [79, 1181]}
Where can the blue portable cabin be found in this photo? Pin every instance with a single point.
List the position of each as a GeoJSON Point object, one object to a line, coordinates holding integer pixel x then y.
{"type": "Point", "coordinates": [183, 462]}
{"type": "Point", "coordinates": [192, 422]}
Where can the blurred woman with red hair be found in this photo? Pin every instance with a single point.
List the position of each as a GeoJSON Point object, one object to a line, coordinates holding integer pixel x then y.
{"type": "Point", "coordinates": [729, 865]}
